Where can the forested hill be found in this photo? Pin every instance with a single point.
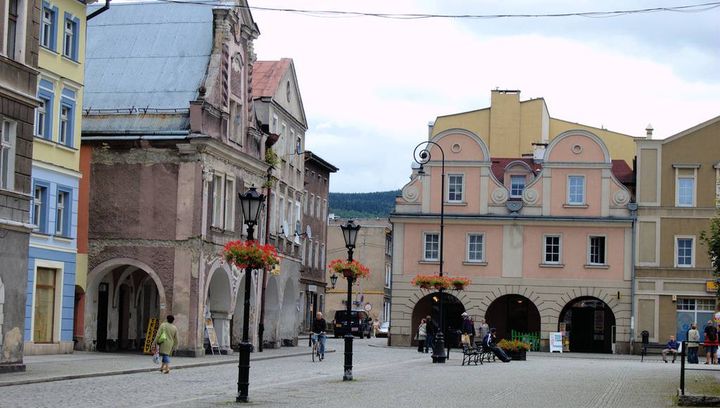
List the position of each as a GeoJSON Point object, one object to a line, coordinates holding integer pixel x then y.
{"type": "Point", "coordinates": [363, 205]}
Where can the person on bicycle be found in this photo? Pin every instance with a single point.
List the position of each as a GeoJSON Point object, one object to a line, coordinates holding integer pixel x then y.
{"type": "Point", "coordinates": [318, 330]}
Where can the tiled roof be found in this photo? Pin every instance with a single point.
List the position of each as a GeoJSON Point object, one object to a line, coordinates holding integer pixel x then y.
{"type": "Point", "coordinates": [266, 76]}
{"type": "Point", "coordinates": [620, 169]}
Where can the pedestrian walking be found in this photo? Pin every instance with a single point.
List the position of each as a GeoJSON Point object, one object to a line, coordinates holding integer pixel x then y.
{"type": "Point", "coordinates": [711, 343]}
{"type": "Point", "coordinates": [693, 337]}
{"type": "Point", "coordinates": [468, 330]}
{"type": "Point", "coordinates": [166, 339]}
{"type": "Point", "coordinates": [431, 330]}
{"type": "Point", "coordinates": [421, 336]}
{"type": "Point", "coordinates": [375, 327]}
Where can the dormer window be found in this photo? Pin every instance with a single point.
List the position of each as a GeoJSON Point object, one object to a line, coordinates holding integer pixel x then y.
{"type": "Point", "coordinates": [517, 186]}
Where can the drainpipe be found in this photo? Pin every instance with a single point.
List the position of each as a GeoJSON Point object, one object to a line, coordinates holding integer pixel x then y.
{"type": "Point", "coordinates": [633, 213]}
{"type": "Point", "coordinates": [98, 11]}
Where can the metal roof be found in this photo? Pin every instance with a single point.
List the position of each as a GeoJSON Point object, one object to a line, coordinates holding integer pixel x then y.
{"type": "Point", "coordinates": [147, 55]}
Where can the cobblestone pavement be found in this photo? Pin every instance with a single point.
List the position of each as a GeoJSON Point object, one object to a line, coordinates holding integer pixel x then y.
{"type": "Point", "coordinates": [383, 377]}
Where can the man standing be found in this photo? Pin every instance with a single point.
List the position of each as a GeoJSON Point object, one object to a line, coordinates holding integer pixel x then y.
{"type": "Point", "coordinates": [430, 329]}
{"type": "Point", "coordinates": [671, 347]}
{"type": "Point", "coordinates": [693, 344]}
{"type": "Point", "coordinates": [468, 329]}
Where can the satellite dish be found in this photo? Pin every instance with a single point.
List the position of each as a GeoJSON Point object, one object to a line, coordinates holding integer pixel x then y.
{"type": "Point", "coordinates": [308, 231]}
{"type": "Point", "coordinates": [296, 241]}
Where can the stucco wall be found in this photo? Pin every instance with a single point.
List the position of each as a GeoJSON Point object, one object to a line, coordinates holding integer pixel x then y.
{"type": "Point", "coordinates": [13, 252]}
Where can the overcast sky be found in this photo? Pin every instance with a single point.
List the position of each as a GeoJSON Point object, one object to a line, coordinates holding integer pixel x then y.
{"type": "Point", "coordinates": [371, 85]}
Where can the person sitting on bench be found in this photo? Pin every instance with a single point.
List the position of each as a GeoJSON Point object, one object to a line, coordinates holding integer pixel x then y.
{"type": "Point", "coordinates": [671, 347]}
{"type": "Point", "coordinates": [489, 344]}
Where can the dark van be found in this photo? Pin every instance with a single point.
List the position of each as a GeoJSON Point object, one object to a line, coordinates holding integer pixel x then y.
{"type": "Point", "coordinates": [359, 323]}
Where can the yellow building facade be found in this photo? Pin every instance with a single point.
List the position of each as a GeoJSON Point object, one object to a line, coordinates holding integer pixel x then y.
{"type": "Point", "coordinates": [55, 269]}
{"type": "Point", "coordinates": [510, 127]}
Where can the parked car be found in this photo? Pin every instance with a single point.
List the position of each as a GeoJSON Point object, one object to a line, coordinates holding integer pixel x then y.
{"type": "Point", "coordinates": [359, 323]}
{"type": "Point", "coordinates": [384, 329]}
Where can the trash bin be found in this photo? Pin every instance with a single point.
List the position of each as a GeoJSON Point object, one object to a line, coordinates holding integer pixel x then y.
{"type": "Point", "coordinates": [645, 337]}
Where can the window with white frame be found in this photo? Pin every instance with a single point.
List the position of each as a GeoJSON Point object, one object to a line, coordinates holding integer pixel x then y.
{"type": "Point", "coordinates": [273, 216]}
{"type": "Point", "coordinates": [311, 206]}
{"type": "Point", "coordinates": [64, 122]}
{"type": "Point", "coordinates": [223, 215]}
{"type": "Point", "coordinates": [45, 305]}
{"type": "Point", "coordinates": [67, 117]}
{"type": "Point", "coordinates": [281, 215]}
{"type": "Point", "coordinates": [47, 30]}
{"type": "Point", "coordinates": [229, 208]}
{"type": "Point", "coordinates": [218, 194]}
{"type": "Point", "coordinates": [684, 252]}
{"type": "Point", "coordinates": [475, 247]}
{"type": "Point", "coordinates": [551, 249]}
{"type": "Point", "coordinates": [8, 131]}
{"type": "Point", "coordinates": [431, 246]}
{"type": "Point", "coordinates": [322, 256]}
{"type": "Point", "coordinates": [685, 193]}
{"type": "Point", "coordinates": [388, 275]}
{"type": "Point", "coordinates": [576, 190]}
{"type": "Point", "coordinates": [70, 37]}
{"type": "Point", "coordinates": [596, 250]}
{"type": "Point", "coordinates": [517, 185]}
{"type": "Point", "coordinates": [455, 188]}
{"type": "Point", "coordinates": [44, 112]}
{"type": "Point", "coordinates": [317, 254]}
{"type": "Point", "coordinates": [62, 213]}
{"type": "Point", "coordinates": [40, 207]}
{"type": "Point", "coordinates": [12, 40]}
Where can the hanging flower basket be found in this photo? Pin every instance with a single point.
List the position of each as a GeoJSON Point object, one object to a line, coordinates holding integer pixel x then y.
{"type": "Point", "coordinates": [352, 269]}
{"type": "Point", "coordinates": [251, 254]}
{"type": "Point", "coordinates": [459, 282]}
{"type": "Point", "coordinates": [436, 282]}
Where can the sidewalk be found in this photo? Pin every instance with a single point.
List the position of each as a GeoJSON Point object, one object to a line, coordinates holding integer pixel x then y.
{"type": "Point", "coordinates": [83, 364]}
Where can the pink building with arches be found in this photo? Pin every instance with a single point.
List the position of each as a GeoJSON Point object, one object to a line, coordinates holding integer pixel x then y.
{"type": "Point", "coordinates": [545, 238]}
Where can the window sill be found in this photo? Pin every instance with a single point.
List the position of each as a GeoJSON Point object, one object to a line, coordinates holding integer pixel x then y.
{"type": "Point", "coordinates": [62, 238]}
{"type": "Point", "coordinates": [47, 49]}
{"type": "Point", "coordinates": [575, 206]}
{"type": "Point", "coordinates": [69, 59]}
{"type": "Point", "coordinates": [596, 266]}
{"type": "Point", "coordinates": [55, 144]}
{"type": "Point", "coordinates": [684, 266]}
{"type": "Point", "coordinates": [456, 203]}
{"type": "Point", "coordinates": [426, 262]}
{"type": "Point", "coordinates": [40, 234]}
{"type": "Point", "coordinates": [548, 265]}
{"type": "Point", "coordinates": [685, 205]}
{"type": "Point", "coordinates": [475, 263]}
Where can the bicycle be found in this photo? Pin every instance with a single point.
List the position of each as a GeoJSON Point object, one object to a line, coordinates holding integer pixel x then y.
{"type": "Point", "coordinates": [316, 339]}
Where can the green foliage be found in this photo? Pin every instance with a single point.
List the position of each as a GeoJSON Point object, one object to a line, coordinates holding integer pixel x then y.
{"type": "Point", "coordinates": [363, 205]}
{"type": "Point", "coordinates": [711, 239]}
{"type": "Point", "coordinates": [271, 157]}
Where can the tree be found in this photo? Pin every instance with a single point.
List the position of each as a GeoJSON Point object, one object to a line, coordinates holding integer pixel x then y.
{"type": "Point", "coordinates": [711, 239]}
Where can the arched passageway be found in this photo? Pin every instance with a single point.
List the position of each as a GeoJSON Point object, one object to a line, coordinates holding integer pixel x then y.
{"type": "Point", "coordinates": [429, 305]}
{"type": "Point", "coordinates": [120, 300]}
{"type": "Point", "coordinates": [513, 312]}
{"type": "Point", "coordinates": [289, 313]}
{"type": "Point", "coordinates": [590, 324]}
{"type": "Point", "coordinates": [272, 312]}
{"type": "Point", "coordinates": [218, 305]}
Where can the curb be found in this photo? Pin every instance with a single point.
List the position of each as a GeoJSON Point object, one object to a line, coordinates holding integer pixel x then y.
{"type": "Point", "coordinates": [143, 370]}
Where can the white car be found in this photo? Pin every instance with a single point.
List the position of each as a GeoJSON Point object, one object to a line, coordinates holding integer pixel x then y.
{"type": "Point", "coordinates": [384, 329]}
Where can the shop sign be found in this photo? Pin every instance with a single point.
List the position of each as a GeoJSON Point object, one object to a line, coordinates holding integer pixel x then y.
{"type": "Point", "coordinates": [711, 286]}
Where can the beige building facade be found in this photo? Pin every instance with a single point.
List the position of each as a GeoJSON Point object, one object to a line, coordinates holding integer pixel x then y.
{"type": "Point", "coordinates": [374, 250]}
{"type": "Point", "coordinates": [678, 191]}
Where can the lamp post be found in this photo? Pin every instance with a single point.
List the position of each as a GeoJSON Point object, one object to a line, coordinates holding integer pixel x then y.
{"type": "Point", "coordinates": [250, 203]}
{"type": "Point", "coordinates": [350, 232]}
{"type": "Point", "coordinates": [422, 156]}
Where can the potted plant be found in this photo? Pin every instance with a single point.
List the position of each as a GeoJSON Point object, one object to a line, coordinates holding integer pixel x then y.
{"type": "Point", "coordinates": [436, 282]}
{"type": "Point", "coordinates": [349, 269]}
{"type": "Point", "coordinates": [515, 349]}
{"type": "Point", "coordinates": [459, 282]}
{"type": "Point", "coordinates": [251, 254]}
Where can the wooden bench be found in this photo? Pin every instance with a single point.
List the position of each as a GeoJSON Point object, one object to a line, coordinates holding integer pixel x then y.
{"type": "Point", "coordinates": [650, 346]}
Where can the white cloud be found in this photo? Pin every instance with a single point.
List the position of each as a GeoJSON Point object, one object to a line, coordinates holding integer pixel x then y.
{"type": "Point", "coordinates": [371, 85]}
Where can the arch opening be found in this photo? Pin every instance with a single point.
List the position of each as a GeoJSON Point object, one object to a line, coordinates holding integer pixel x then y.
{"type": "Point", "coordinates": [429, 305]}
{"type": "Point", "coordinates": [513, 313]}
{"type": "Point", "coordinates": [590, 325]}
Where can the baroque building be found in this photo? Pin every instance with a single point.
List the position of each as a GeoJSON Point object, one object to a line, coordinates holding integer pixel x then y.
{"type": "Point", "coordinates": [170, 138]}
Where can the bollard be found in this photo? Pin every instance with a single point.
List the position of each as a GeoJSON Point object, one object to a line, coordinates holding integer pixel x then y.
{"type": "Point", "coordinates": [682, 368]}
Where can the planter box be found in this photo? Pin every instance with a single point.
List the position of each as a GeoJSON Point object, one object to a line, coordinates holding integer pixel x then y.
{"type": "Point", "coordinates": [517, 355]}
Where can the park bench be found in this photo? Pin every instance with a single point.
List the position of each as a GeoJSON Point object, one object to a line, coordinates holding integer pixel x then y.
{"type": "Point", "coordinates": [650, 347]}
{"type": "Point", "coordinates": [471, 355]}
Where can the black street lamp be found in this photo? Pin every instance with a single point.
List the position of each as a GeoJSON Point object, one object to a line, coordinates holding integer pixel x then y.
{"type": "Point", "coordinates": [333, 280]}
{"type": "Point", "coordinates": [350, 232]}
{"type": "Point", "coordinates": [422, 157]}
{"type": "Point", "coordinates": [250, 203]}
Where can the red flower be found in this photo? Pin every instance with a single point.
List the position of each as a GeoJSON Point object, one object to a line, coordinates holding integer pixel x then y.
{"type": "Point", "coordinates": [250, 254]}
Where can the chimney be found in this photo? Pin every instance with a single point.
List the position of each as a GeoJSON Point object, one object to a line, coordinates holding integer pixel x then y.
{"type": "Point", "coordinates": [539, 152]}
{"type": "Point", "coordinates": [649, 131]}
{"type": "Point", "coordinates": [431, 125]}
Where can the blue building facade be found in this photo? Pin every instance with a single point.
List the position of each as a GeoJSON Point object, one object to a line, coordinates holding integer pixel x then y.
{"type": "Point", "coordinates": [52, 261]}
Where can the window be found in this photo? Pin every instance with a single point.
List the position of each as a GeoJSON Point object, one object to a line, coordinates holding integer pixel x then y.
{"type": "Point", "coordinates": [62, 213]}
{"type": "Point", "coordinates": [218, 194]}
{"type": "Point", "coordinates": [685, 191]}
{"type": "Point", "coordinates": [455, 188]}
{"type": "Point", "coordinates": [48, 26]}
{"type": "Point", "coordinates": [229, 204]}
{"type": "Point", "coordinates": [684, 252]}
{"type": "Point", "coordinates": [43, 114]}
{"type": "Point", "coordinates": [7, 153]}
{"type": "Point", "coordinates": [44, 307]}
{"type": "Point", "coordinates": [70, 37]}
{"type": "Point", "coordinates": [551, 250]}
{"type": "Point", "coordinates": [576, 190]}
{"type": "Point", "coordinates": [692, 310]}
{"type": "Point", "coordinates": [475, 248]}
{"type": "Point", "coordinates": [388, 275]}
{"type": "Point", "coordinates": [597, 251]}
{"type": "Point", "coordinates": [517, 185]}
{"type": "Point", "coordinates": [67, 117]}
{"type": "Point", "coordinates": [40, 207]}
{"type": "Point", "coordinates": [432, 247]}
{"type": "Point", "coordinates": [12, 25]}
